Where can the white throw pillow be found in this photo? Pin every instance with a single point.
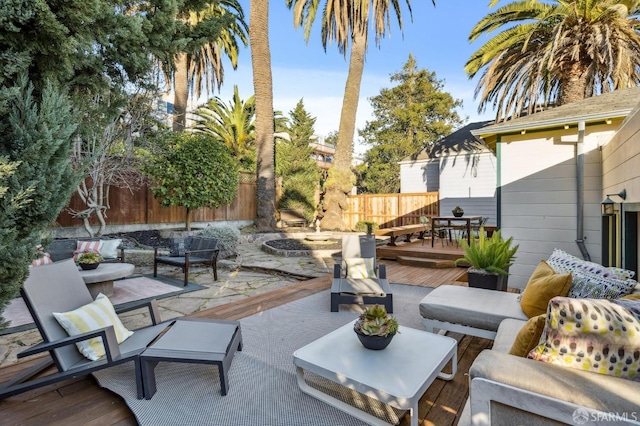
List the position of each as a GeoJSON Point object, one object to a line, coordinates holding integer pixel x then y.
{"type": "Point", "coordinates": [360, 267]}
{"type": "Point", "coordinates": [109, 248]}
{"type": "Point", "coordinates": [93, 316]}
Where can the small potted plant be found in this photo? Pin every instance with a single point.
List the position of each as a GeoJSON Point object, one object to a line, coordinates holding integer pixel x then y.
{"type": "Point", "coordinates": [457, 211]}
{"type": "Point", "coordinates": [89, 260]}
{"type": "Point", "coordinates": [375, 328]}
{"type": "Point", "coordinates": [490, 259]}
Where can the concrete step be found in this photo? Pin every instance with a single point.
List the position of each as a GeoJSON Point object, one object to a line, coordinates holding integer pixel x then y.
{"type": "Point", "coordinates": [424, 262]}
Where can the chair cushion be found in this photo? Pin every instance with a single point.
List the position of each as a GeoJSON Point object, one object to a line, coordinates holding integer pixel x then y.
{"type": "Point", "coordinates": [87, 247]}
{"type": "Point", "coordinates": [595, 335]}
{"type": "Point", "coordinates": [529, 336]}
{"type": "Point", "coordinates": [93, 316]}
{"type": "Point", "coordinates": [360, 267]}
{"type": "Point", "coordinates": [109, 248]}
{"type": "Point", "coordinates": [544, 284]}
{"type": "Point", "coordinates": [589, 285]}
{"type": "Point", "coordinates": [177, 247]}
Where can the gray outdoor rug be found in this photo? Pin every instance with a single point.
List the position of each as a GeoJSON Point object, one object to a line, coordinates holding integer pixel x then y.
{"type": "Point", "coordinates": [262, 381]}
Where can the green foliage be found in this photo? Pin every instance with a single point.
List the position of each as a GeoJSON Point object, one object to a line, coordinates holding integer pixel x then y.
{"type": "Point", "coordinates": [363, 226]}
{"type": "Point", "coordinates": [228, 239]}
{"type": "Point", "coordinates": [493, 254]}
{"type": "Point", "coordinates": [374, 321]}
{"type": "Point", "coordinates": [294, 163]}
{"type": "Point", "coordinates": [193, 171]}
{"type": "Point", "coordinates": [89, 257]}
{"type": "Point", "coordinates": [407, 118]}
{"type": "Point", "coordinates": [234, 124]}
{"type": "Point", "coordinates": [457, 209]}
{"type": "Point", "coordinates": [36, 178]}
{"type": "Point", "coordinates": [553, 52]}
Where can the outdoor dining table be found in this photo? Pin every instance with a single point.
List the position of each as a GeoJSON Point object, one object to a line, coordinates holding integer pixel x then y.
{"type": "Point", "coordinates": [466, 219]}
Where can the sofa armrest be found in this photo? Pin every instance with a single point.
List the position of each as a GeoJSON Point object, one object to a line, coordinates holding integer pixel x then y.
{"type": "Point", "coordinates": [544, 389]}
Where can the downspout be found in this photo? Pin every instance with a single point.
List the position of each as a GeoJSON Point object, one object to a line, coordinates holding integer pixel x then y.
{"type": "Point", "coordinates": [580, 192]}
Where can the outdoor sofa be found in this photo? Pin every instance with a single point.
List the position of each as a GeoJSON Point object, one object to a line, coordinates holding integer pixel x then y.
{"type": "Point", "coordinates": [508, 387]}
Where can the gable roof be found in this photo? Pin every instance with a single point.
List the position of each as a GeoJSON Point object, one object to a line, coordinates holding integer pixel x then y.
{"type": "Point", "coordinates": [459, 141]}
{"type": "Point", "coordinates": [616, 104]}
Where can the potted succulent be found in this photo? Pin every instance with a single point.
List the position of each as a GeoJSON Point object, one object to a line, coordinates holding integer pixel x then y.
{"type": "Point", "coordinates": [490, 259]}
{"type": "Point", "coordinates": [375, 328]}
{"type": "Point", "coordinates": [89, 260]}
{"type": "Point", "coordinates": [457, 211]}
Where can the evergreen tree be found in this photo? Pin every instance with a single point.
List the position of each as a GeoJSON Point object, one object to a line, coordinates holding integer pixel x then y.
{"type": "Point", "coordinates": [408, 117]}
{"type": "Point", "coordinates": [299, 171]}
{"type": "Point", "coordinates": [35, 174]}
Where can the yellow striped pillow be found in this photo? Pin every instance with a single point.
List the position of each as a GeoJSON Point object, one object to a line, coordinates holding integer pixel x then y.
{"type": "Point", "coordinates": [93, 316]}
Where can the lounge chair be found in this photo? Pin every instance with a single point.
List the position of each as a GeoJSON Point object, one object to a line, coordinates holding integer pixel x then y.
{"type": "Point", "coordinates": [58, 287]}
{"type": "Point", "coordinates": [358, 279]}
{"type": "Point", "coordinates": [197, 250]}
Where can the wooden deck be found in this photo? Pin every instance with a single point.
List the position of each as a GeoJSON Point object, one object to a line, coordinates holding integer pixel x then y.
{"type": "Point", "coordinates": [81, 401]}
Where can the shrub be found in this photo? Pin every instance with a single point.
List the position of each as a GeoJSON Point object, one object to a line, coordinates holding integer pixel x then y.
{"type": "Point", "coordinates": [361, 226]}
{"type": "Point", "coordinates": [228, 239]}
{"type": "Point", "coordinates": [494, 255]}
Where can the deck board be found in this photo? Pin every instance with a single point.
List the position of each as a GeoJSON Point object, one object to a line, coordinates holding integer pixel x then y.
{"type": "Point", "coordinates": [82, 401]}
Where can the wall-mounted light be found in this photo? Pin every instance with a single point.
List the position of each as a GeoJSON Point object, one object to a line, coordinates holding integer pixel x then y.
{"type": "Point", "coordinates": [608, 205]}
{"type": "Point", "coordinates": [566, 127]}
{"type": "Point", "coordinates": [608, 121]}
{"type": "Point", "coordinates": [522, 132]}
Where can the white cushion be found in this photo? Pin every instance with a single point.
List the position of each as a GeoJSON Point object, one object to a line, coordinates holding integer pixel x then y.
{"type": "Point", "coordinates": [360, 267]}
{"type": "Point", "coordinates": [93, 316]}
{"type": "Point", "coordinates": [109, 248]}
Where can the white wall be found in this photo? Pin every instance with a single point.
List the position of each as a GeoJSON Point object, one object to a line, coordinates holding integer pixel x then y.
{"type": "Point", "coordinates": [419, 176]}
{"type": "Point", "coordinates": [538, 182]}
{"type": "Point", "coordinates": [468, 180]}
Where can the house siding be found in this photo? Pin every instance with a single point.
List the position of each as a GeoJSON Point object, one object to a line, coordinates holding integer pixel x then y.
{"type": "Point", "coordinates": [539, 197]}
{"type": "Point", "coordinates": [419, 176]}
{"type": "Point", "coordinates": [468, 180]}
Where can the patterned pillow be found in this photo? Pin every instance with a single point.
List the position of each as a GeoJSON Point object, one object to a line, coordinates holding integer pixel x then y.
{"type": "Point", "coordinates": [44, 260]}
{"type": "Point", "coordinates": [563, 262]}
{"type": "Point", "coordinates": [593, 286]}
{"type": "Point", "coordinates": [87, 247]}
{"type": "Point", "coordinates": [360, 267]}
{"type": "Point", "coordinates": [93, 316]}
{"type": "Point", "coordinates": [177, 247]}
{"type": "Point", "coordinates": [591, 334]}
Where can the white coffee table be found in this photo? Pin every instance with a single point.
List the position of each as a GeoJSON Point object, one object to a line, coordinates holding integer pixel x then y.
{"type": "Point", "coordinates": [398, 375]}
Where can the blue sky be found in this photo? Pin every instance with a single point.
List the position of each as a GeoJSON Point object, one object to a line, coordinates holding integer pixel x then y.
{"type": "Point", "coordinates": [437, 38]}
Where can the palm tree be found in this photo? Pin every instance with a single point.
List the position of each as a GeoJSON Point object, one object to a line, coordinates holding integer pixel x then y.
{"type": "Point", "coordinates": [215, 31]}
{"type": "Point", "coordinates": [555, 53]}
{"type": "Point", "coordinates": [263, 89]}
{"type": "Point", "coordinates": [233, 124]}
{"type": "Point", "coordinates": [345, 21]}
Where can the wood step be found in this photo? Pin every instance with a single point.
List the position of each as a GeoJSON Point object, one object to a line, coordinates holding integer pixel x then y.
{"type": "Point", "coordinates": [425, 262]}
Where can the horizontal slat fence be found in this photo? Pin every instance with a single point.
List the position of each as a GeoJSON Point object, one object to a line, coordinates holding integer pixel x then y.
{"type": "Point", "coordinates": [141, 207]}
{"type": "Point", "coordinates": [389, 210]}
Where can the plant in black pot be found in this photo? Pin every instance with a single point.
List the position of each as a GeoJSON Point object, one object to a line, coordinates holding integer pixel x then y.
{"type": "Point", "coordinates": [89, 260]}
{"type": "Point", "coordinates": [490, 259]}
{"type": "Point", "coordinates": [457, 211]}
{"type": "Point", "coordinates": [375, 328]}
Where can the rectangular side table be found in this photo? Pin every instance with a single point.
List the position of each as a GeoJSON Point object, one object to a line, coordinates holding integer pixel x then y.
{"type": "Point", "coordinates": [199, 341]}
{"type": "Point", "coordinates": [398, 375]}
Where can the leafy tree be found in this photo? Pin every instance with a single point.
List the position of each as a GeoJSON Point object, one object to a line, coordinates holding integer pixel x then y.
{"type": "Point", "coordinates": [408, 117]}
{"type": "Point", "coordinates": [36, 176]}
{"type": "Point", "coordinates": [214, 30]}
{"type": "Point", "coordinates": [345, 22]}
{"type": "Point", "coordinates": [299, 172]}
{"type": "Point", "coordinates": [555, 52]}
{"type": "Point", "coordinates": [234, 124]}
{"type": "Point", "coordinates": [193, 171]}
{"type": "Point", "coordinates": [263, 89]}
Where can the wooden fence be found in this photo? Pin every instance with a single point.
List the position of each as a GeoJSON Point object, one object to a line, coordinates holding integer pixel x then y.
{"type": "Point", "coordinates": [389, 210]}
{"type": "Point", "coordinates": [141, 207]}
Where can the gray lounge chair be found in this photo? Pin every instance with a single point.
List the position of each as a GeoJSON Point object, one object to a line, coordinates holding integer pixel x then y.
{"type": "Point", "coordinates": [367, 291]}
{"type": "Point", "coordinates": [197, 250]}
{"type": "Point", "coordinates": [58, 287]}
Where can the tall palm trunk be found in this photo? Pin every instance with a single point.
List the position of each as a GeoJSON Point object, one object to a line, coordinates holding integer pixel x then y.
{"type": "Point", "coordinates": [341, 179]}
{"type": "Point", "coordinates": [263, 88]}
{"type": "Point", "coordinates": [575, 86]}
{"type": "Point", "coordinates": [181, 92]}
